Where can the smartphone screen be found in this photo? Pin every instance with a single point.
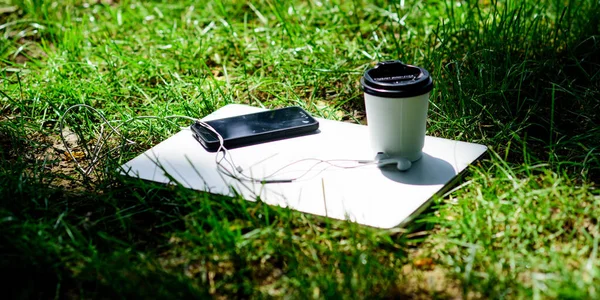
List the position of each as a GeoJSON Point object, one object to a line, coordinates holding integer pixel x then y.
{"type": "Point", "coordinates": [256, 127]}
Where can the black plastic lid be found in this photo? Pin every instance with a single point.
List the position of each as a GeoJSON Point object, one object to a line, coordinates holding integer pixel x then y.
{"type": "Point", "coordinates": [394, 79]}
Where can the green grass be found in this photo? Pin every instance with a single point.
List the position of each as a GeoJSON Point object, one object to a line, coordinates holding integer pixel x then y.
{"type": "Point", "coordinates": [520, 76]}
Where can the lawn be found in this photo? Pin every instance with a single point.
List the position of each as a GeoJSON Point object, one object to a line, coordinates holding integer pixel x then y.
{"type": "Point", "coordinates": [522, 77]}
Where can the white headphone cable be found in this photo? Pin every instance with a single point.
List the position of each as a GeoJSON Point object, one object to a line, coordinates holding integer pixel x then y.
{"type": "Point", "coordinates": [223, 154]}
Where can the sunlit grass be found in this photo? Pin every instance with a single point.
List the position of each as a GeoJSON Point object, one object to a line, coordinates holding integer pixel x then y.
{"type": "Point", "coordinates": [522, 77]}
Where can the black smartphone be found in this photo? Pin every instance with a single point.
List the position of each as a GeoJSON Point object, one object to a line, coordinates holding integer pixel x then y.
{"type": "Point", "coordinates": [256, 128]}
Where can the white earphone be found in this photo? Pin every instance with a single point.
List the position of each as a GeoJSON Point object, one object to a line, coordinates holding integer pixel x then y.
{"type": "Point", "coordinates": [402, 164]}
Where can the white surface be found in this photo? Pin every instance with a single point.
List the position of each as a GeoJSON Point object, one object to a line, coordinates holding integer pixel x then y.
{"type": "Point", "coordinates": [397, 125]}
{"type": "Point", "coordinates": [367, 195]}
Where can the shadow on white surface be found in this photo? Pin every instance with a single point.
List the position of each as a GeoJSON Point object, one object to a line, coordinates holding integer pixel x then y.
{"type": "Point", "coordinates": [428, 170]}
{"type": "Point", "coordinates": [271, 140]}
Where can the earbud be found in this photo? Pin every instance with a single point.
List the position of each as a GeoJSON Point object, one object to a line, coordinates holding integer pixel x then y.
{"type": "Point", "coordinates": [402, 164]}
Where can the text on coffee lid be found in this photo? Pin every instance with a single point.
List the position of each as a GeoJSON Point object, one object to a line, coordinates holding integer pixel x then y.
{"type": "Point", "coordinates": [391, 78]}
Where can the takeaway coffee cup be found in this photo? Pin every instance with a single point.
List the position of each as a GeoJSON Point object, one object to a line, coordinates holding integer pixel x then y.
{"type": "Point", "coordinates": [396, 99]}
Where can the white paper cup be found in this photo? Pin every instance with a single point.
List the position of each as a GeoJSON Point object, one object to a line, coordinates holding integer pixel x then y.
{"type": "Point", "coordinates": [396, 100]}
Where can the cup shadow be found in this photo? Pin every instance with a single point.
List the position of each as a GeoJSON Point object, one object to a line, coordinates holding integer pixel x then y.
{"type": "Point", "coordinates": [428, 170]}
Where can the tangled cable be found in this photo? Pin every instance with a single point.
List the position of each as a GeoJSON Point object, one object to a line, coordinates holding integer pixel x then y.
{"type": "Point", "coordinates": [222, 155]}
